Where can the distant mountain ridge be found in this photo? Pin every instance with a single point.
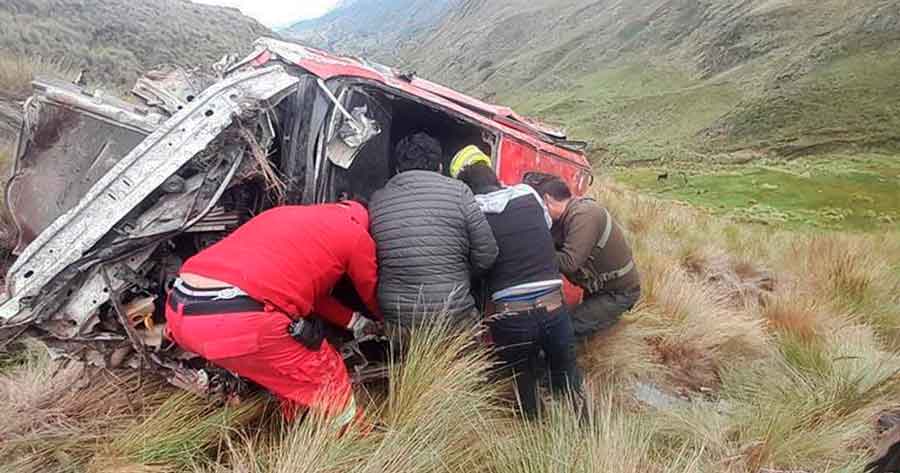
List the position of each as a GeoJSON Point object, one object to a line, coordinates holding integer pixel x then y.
{"type": "Point", "coordinates": [375, 28]}
{"type": "Point", "coordinates": [650, 77]}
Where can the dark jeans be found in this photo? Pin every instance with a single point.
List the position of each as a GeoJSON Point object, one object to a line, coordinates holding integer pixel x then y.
{"type": "Point", "coordinates": [601, 311]}
{"type": "Point", "coordinates": [519, 338]}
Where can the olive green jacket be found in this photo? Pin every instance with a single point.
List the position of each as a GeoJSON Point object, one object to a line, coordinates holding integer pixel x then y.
{"type": "Point", "coordinates": [592, 250]}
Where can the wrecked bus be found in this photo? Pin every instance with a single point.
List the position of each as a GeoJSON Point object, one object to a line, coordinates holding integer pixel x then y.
{"type": "Point", "coordinates": [109, 197]}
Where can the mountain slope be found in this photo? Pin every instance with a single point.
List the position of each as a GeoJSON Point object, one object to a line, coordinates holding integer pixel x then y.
{"type": "Point", "coordinates": [677, 78]}
{"type": "Point", "coordinates": [116, 40]}
{"type": "Point", "coordinates": [378, 29]}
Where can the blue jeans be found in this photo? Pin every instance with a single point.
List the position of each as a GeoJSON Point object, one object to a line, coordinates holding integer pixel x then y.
{"type": "Point", "coordinates": [519, 337]}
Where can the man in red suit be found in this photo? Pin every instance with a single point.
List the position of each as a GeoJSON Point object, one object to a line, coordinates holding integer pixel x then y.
{"type": "Point", "coordinates": [253, 302]}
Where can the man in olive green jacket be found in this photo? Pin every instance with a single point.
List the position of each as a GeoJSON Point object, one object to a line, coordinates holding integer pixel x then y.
{"type": "Point", "coordinates": [592, 252]}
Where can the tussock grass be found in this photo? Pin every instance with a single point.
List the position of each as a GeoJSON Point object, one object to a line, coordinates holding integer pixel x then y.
{"type": "Point", "coordinates": [439, 415]}
{"type": "Point", "coordinates": [439, 404]}
{"type": "Point", "coordinates": [55, 412]}
{"type": "Point", "coordinates": [179, 432]}
{"type": "Point", "coordinates": [799, 331]}
{"type": "Point", "coordinates": [778, 350]}
{"type": "Point", "coordinates": [63, 416]}
{"type": "Point", "coordinates": [612, 437]}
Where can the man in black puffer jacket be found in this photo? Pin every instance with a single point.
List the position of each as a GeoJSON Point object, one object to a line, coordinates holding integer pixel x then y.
{"type": "Point", "coordinates": [431, 239]}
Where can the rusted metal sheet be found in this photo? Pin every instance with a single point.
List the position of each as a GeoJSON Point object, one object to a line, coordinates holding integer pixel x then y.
{"type": "Point", "coordinates": [71, 139]}
{"type": "Point", "coordinates": [97, 103]}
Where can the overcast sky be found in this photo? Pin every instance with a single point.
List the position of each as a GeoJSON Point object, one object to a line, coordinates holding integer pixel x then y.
{"type": "Point", "coordinates": [275, 13]}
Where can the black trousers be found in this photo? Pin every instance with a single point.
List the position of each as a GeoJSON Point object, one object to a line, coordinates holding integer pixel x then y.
{"type": "Point", "coordinates": [601, 311]}
{"type": "Point", "coordinates": [519, 338]}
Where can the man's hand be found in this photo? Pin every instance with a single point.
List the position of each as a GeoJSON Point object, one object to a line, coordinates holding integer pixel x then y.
{"type": "Point", "coordinates": [363, 327]}
{"type": "Point", "coordinates": [308, 332]}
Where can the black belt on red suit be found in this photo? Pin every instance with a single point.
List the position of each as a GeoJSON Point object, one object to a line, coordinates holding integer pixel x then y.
{"type": "Point", "coordinates": [209, 305]}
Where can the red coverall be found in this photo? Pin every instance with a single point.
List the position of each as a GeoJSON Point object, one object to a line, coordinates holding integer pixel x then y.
{"type": "Point", "coordinates": [288, 258]}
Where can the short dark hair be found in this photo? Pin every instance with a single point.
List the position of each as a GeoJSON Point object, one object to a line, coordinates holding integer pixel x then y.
{"type": "Point", "coordinates": [480, 178]}
{"type": "Point", "coordinates": [418, 152]}
{"type": "Point", "coordinates": [358, 198]}
{"type": "Point", "coordinates": [556, 188]}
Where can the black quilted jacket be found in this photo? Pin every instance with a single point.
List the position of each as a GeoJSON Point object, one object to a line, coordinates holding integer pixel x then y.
{"type": "Point", "coordinates": [432, 239]}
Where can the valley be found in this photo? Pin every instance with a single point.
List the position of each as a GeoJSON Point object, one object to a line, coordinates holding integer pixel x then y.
{"type": "Point", "coordinates": [677, 86]}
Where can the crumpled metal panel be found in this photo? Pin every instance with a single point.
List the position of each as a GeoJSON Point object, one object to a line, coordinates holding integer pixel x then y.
{"type": "Point", "coordinates": [170, 88]}
{"type": "Point", "coordinates": [97, 103]}
{"type": "Point", "coordinates": [79, 316]}
{"type": "Point", "coordinates": [71, 139]}
{"type": "Point", "coordinates": [68, 152]}
{"type": "Point", "coordinates": [169, 212]}
{"type": "Point", "coordinates": [132, 180]}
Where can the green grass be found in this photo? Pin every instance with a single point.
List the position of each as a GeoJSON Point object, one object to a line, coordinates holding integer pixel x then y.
{"type": "Point", "coordinates": [647, 112]}
{"type": "Point", "coordinates": [16, 354]}
{"type": "Point", "coordinates": [836, 192]}
{"type": "Point", "coordinates": [640, 112]}
{"type": "Point", "coordinates": [180, 431]}
{"type": "Point", "coordinates": [117, 40]}
{"type": "Point", "coordinates": [852, 101]}
{"type": "Point", "coordinates": [840, 114]}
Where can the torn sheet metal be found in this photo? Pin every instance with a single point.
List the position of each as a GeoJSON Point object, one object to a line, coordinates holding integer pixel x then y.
{"type": "Point", "coordinates": [71, 139]}
{"type": "Point", "coordinates": [169, 213]}
{"type": "Point", "coordinates": [170, 88]}
{"type": "Point", "coordinates": [79, 316]}
{"type": "Point", "coordinates": [97, 103]}
{"type": "Point", "coordinates": [133, 179]}
{"type": "Point", "coordinates": [351, 136]}
{"type": "Point", "coordinates": [69, 150]}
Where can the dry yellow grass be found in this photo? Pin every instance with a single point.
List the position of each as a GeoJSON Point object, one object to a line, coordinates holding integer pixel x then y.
{"type": "Point", "coordinates": [782, 348]}
{"type": "Point", "coordinates": [17, 72]}
{"type": "Point", "coordinates": [796, 334]}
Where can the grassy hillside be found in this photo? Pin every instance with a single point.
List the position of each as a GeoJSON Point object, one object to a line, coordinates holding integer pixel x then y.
{"type": "Point", "coordinates": [667, 78]}
{"type": "Point", "coordinates": [656, 77]}
{"type": "Point", "coordinates": [773, 351]}
{"type": "Point", "coordinates": [678, 86]}
{"type": "Point", "coordinates": [117, 40]}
